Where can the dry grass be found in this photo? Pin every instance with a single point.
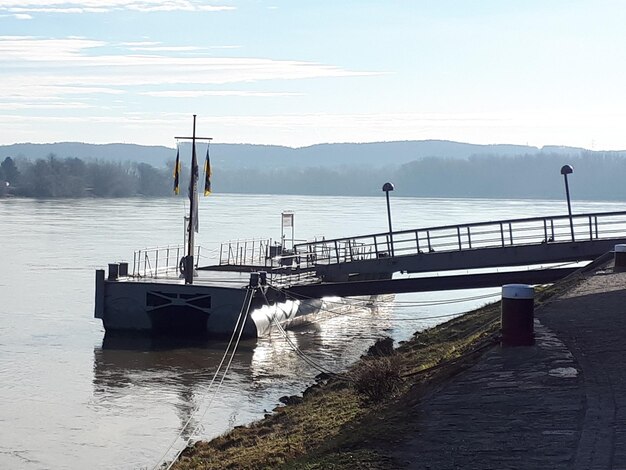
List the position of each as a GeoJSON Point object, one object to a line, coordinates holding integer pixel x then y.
{"type": "Point", "coordinates": [289, 432]}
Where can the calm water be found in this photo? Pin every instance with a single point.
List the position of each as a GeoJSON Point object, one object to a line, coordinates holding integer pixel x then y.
{"type": "Point", "coordinates": [70, 398]}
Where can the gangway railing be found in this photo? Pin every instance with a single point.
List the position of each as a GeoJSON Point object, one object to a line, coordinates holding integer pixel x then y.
{"type": "Point", "coordinates": [161, 261]}
{"type": "Point", "coordinates": [247, 252]}
{"type": "Point", "coordinates": [283, 279]}
{"type": "Point", "coordinates": [447, 238]}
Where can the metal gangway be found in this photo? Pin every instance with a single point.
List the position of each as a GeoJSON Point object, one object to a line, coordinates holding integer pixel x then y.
{"type": "Point", "coordinates": [511, 242]}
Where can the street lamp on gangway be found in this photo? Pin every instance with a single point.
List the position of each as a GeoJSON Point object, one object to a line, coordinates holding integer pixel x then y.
{"type": "Point", "coordinates": [568, 170]}
{"type": "Point", "coordinates": [386, 188]}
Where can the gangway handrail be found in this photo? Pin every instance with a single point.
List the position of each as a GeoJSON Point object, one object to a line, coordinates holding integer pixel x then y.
{"type": "Point", "coordinates": [497, 233]}
{"type": "Point", "coordinates": [471, 224]}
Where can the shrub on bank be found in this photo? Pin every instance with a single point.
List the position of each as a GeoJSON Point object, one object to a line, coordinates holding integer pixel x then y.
{"type": "Point", "coordinates": [377, 378]}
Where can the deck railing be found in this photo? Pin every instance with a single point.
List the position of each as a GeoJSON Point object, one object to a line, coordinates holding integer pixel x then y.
{"type": "Point", "coordinates": [503, 233]}
{"type": "Point", "coordinates": [161, 261]}
{"type": "Point", "coordinates": [260, 252]}
{"type": "Point", "coordinates": [246, 252]}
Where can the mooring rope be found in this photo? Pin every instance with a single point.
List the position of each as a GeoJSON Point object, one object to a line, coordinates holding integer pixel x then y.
{"type": "Point", "coordinates": [389, 304]}
{"type": "Point", "coordinates": [295, 347]}
{"type": "Point", "coordinates": [230, 361]}
{"type": "Point", "coordinates": [413, 319]}
{"type": "Point", "coordinates": [404, 304]}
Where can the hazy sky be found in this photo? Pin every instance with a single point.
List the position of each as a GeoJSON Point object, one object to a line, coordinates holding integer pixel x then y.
{"type": "Point", "coordinates": [298, 72]}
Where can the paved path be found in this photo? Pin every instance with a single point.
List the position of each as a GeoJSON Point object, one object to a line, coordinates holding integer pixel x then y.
{"type": "Point", "coordinates": [560, 404]}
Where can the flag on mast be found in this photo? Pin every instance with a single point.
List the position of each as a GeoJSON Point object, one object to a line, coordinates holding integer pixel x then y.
{"type": "Point", "coordinates": [193, 190]}
{"type": "Point", "coordinates": [207, 173]}
{"type": "Point", "coordinates": [177, 173]}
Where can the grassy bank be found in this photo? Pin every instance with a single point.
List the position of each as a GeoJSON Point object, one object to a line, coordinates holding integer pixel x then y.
{"type": "Point", "coordinates": [351, 421]}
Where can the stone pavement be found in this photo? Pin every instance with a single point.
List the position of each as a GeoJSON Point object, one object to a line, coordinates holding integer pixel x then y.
{"type": "Point", "coordinates": [560, 404]}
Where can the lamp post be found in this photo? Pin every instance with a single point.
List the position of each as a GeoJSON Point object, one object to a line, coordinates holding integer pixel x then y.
{"type": "Point", "coordinates": [568, 170]}
{"type": "Point", "coordinates": [386, 188]}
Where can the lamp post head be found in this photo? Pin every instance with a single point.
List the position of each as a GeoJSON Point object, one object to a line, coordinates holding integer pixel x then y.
{"type": "Point", "coordinates": [567, 169]}
{"type": "Point", "coordinates": [387, 187]}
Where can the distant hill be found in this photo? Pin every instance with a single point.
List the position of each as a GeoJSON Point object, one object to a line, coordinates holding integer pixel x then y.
{"type": "Point", "coordinates": [417, 168]}
{"type": "Point", "coordinates": [230, 156]}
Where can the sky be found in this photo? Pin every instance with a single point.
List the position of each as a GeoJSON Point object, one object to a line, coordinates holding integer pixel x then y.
{"type": "Point", "coordinates": [298, 73]}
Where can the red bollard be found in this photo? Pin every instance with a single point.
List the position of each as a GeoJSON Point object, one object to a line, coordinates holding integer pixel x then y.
{"type": "Point", "coordinates": [517, 317]}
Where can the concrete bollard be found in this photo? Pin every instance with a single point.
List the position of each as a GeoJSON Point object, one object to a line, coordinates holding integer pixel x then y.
{"type": "Point", "coordinates": [123, 270]}
{"type": "Point", "coordinates": [517, 317]}
{"type": "Point", "coordinates": [620, 258]}
{"type": "Point", "coordinates": [114, 271]}
{"type": "Point", "coordinates": [99, 311]}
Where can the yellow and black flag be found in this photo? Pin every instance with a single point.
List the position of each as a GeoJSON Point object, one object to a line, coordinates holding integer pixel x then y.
{"type": "Point", "coordinates": [177, 173]}
{"type": "Point", "coordinates": [207, 173]}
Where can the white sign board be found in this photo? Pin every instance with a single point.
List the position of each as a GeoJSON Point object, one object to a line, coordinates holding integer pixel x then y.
{"type": "Point", "coordinates": [287, 219]}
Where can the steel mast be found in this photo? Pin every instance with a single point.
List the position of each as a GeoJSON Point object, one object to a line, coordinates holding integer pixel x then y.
{"type": "Point", "coordinates": [188, 262]}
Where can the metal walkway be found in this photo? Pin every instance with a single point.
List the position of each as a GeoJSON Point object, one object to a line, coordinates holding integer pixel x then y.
{"type": "Point", "coordinates": [513, 242]}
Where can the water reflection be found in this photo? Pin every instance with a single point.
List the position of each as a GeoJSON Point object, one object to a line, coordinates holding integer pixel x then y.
{"type": "Point", "coordinates": [177, 373]}
{"type": "Point", "coordinates": [332, 343]}
{"type": "Point", "coordinates": [127, 368]}
{"type": "Point", "coordinates": [125, 361]}
{"type": "Point", "coordinates": [120, 358]}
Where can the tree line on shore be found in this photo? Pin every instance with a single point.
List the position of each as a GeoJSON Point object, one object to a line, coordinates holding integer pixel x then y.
{"type": "Point", "coordinates": [54, 177]}
{"type": "Point", "coordinates": [596, 176]}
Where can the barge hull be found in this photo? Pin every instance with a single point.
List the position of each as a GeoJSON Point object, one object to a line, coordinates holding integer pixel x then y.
{"type": "Point", "coordinates": [169, 308]}
{"type": "Point", "coordinates": [175, 309]}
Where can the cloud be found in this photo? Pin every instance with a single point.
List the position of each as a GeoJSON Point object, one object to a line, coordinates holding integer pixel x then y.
{"type": "Point", "coordinates": [200, 93]}
{"type": "Point", "coordinates": [225, 47]}
{"type": "Point", "coordinates": [77, 86]}
{"type": "Point", "coordinates": [164, 48]}
{"type": "Point", "coordinates": [51, 68]}
{"type": "Point", "coordinates": [22, 10]}
{"type": "Point", "coordinates": [18, 50]}
{"type": "Point", "coordinates": [22, 16]}
{"type": "Point", "coordinates": [139, 43]}
{"type": "Point", "coordinates": [51, 92]}
{"type": "Point", "coordinates": [102, 6]}
{"type": "Point", "coordinates": [16, 106]}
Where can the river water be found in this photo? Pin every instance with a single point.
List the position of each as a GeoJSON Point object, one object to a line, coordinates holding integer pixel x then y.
{"type": "Point", "coordinates": [71, 398]}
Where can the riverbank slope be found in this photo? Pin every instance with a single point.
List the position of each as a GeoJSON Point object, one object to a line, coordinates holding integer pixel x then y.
{"type": "Point", "coordinates": [451, 397]}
